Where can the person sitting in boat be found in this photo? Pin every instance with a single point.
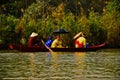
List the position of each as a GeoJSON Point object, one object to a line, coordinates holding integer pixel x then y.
{"type": "Point", "coordinates": [80, 41]}
{"type": "Point", "coordinates": [33, 40]}
{"type": "Point", "coordinates": [57, 43]}
{"type": "Point", "coordinates": [49, 41]}
{"type": "Point", "coordinates": [23, 40]}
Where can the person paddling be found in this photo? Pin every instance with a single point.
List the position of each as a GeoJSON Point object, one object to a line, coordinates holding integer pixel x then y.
{"type": "Point", "coordinates": [33, 39]}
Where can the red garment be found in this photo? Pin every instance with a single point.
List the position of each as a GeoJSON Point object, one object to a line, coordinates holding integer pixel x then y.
{"type": "Point", "coordinates": [80, 45]}
{"type": "Point", "coordinates": [30, 42]}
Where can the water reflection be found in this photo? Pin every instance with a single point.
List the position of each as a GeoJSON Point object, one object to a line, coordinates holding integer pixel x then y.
{"type": "Point", "coordinates": [60, 66]}
{"type": "Point", "coordinates": [52, 58]}
{"type": "Point", "coordinates": [80, 63]}
{"type": "Point", "coordinates": [48, 56]}
{"type": "Point", "coordinates": [32, 65]}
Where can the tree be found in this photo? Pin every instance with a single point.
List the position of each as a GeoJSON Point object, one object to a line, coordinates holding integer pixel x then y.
{"type": "Point", "coordinates": [7, 27]}
{"type": "Point", "coordinates": [14, 7]}
{"type": "Point", "coordinates": [110, 21]}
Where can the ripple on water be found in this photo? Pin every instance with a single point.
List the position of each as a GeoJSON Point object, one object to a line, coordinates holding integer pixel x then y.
{"type": "Point", "coordinates": [102, 65]}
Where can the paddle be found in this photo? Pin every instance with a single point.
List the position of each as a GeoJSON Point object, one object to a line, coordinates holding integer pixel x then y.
{"type": "Point", "coordinates": [47, 46]}
{"type": "Point", "coordinates": [54, 55]}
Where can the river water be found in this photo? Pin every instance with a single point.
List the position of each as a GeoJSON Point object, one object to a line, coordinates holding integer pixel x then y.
{"type": "Point", "coordinates": [100, 65]}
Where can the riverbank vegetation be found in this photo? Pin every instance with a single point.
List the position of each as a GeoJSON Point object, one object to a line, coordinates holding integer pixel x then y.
{"type": "Point", "coordinates": [98, 19]}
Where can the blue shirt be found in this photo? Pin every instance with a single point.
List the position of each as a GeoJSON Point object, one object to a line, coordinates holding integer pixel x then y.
{"type": "Point", "coordinates": [49, 42]}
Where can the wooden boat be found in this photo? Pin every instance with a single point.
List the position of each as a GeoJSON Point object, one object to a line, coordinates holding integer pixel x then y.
{"type": "Point", "coordinates": [3, 46]}
{"type": "Point", "coordinates": [44, 49]}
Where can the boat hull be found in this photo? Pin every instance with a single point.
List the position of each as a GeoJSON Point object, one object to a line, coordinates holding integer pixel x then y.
{"type": "Point", "coordinates": [44, 49]}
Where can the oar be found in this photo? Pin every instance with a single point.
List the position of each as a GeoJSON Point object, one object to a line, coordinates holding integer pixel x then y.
{"type": "Point", "coordinates": [47, 46]}
{"type": "Point", "coordinates": [54, 55]}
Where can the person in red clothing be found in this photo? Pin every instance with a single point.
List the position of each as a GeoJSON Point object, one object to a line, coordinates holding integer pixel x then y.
{"type": "Point", "coordinates": [80, 41]}
{"type": "Point", "coordinates": [33, 39]}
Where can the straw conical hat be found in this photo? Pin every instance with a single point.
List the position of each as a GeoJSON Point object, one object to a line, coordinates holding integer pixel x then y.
{"type": "Point", "coordinates": [77, 35]}
{"type": "Point", "coordinates": [33, 34]}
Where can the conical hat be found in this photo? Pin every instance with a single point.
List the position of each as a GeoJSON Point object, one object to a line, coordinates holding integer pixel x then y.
{"type": "Point", "coordinates": [77, 35]}
{"type": "Point", "coordinates": [33, 34]}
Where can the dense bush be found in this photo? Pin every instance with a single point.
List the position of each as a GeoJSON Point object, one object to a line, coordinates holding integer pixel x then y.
{"type": "Point", "coordinates": [7, 27]}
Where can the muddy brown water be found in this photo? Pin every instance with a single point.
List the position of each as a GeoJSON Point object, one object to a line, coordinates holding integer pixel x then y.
{"type": "Point", "coordinates": [100, 65]}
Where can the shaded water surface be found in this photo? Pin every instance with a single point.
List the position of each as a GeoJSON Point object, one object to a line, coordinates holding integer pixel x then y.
{"type": "Point", "coordinates": [100, 65]}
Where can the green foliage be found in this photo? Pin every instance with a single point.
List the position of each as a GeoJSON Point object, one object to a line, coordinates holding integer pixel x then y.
{"type": "Point", "coordinates": [20, 28]}
{"type": "Point", "coordinates": [83, 24]}
{"type": "Point", "coordinates": [97, 34]}
{"type": "Point", "coordinates": [111, 21]}
{"type": "Point", "coordinates": [39, 18]}
{"type": "Point", "coordinates": [44, 16]}
{"type": "Point", "coordinates": [14, 7]}
{"type": "Point", "coordinates": [113, 5]}
{"type": "Point", "coordinates": [7, 26]}
{"type": "Point", "coordinates": [69, 24]}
